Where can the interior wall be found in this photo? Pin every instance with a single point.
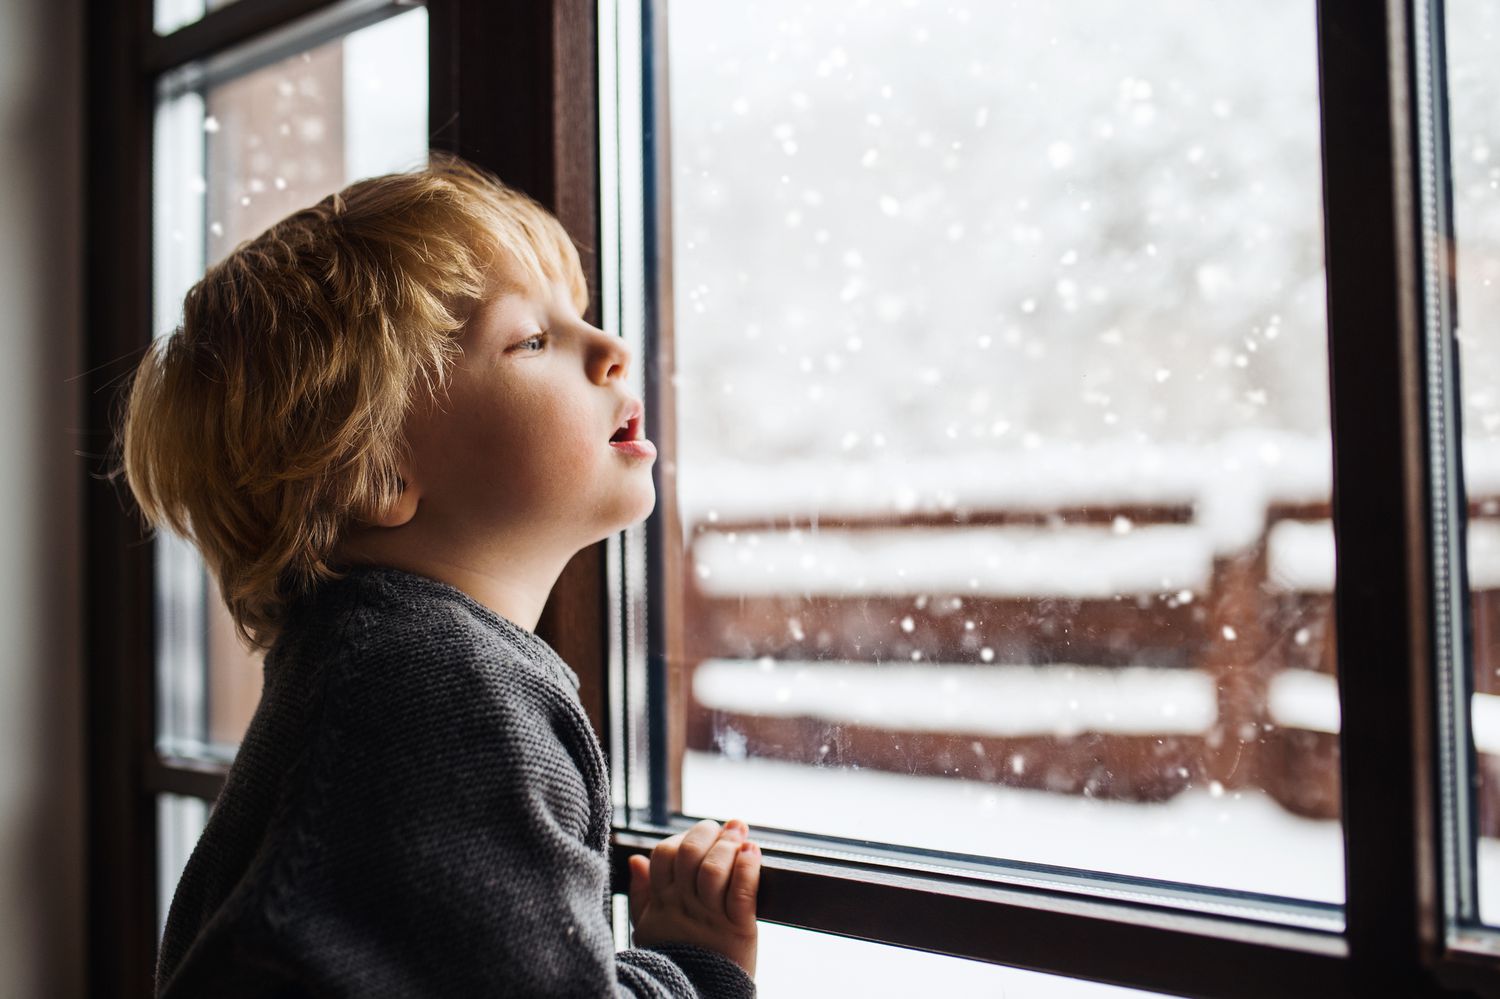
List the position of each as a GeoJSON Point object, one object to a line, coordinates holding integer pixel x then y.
{"type": "Point", "coordinates": [41, 694]}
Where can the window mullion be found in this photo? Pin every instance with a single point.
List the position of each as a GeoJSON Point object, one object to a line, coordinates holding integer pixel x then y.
{"type": "Point", "coordinates": [1381, 526]}
{"type": "Point", "coordinates": [117, 588]}
{"type": "Point", "coordinates": [542, 138]}
{"type": "Point", "coordinates": [221, 29]}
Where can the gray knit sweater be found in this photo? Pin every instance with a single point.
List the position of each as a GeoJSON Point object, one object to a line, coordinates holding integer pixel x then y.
{"type": "Point", "coordinates": [419, 808]}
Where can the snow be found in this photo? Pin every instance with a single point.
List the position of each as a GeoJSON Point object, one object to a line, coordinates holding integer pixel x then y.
{"type": "Point", "coordinates": [1301, 698]}
{"type": "Point", "coordinates": [1227, 484]}
{"type": "Point", "coordinates": [1173, 162]}
{"type": "Point", "coordinates": [1239, 840]}
{"type": "Point", "coordinates": [1484, 717]}
{"type": "Point", "coordinates": [1107, 298]}
{"type": "Point", "coordinates": [1058, 699]}
{"type": "Point", "coordinates": [1300, 555]}
{"type": "Point", "coordinates": [1079, 562]}
{"type": "Point", "coordinates": [1484, 555]}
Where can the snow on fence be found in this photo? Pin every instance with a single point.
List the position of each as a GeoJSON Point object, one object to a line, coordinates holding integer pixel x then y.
{"type": "Point", "coordinates": [1121, 621]}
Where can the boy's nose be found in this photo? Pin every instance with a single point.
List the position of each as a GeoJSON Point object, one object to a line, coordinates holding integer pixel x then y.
{"type": "Point", "coordinates": [613, 357]}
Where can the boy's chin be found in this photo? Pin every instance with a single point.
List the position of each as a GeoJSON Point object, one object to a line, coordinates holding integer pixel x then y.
{"type": "Point", "coordinates": [641, 515]}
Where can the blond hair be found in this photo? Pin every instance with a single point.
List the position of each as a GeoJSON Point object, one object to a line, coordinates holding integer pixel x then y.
{"type": "Point", "coordinates": [271, 419]}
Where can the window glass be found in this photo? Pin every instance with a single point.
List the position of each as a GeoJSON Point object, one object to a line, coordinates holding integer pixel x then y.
{"type": "Point", "coordinates": [794, 962]}
{"type": "Point", "coordinates": [169, 15]}
{"type": "Point", "coordinates": [179, 824]}
{"type": "Point", "coordinates": [999, 449]}
{"type": "Point", "coordinates": [1473, 79]}
{"type": "Point", "coordinates": [231, 158]}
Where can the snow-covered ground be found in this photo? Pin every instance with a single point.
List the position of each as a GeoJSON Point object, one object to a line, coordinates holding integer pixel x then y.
{"type": "Point", "coordinates": [1236, 840]}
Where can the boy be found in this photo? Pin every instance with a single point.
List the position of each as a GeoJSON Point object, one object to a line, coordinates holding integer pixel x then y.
{"type": "Point", "coordinates": [386, 427]}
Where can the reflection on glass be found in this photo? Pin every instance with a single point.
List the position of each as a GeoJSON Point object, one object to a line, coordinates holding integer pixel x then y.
{"type": "Point", "coordinates": [1001, 440]}
{"type": "Point", "coordinates": [179, 823]}
{"type": "Point", "coordinates": [1473, 80]}
{"type": "Point", "coordinates": [231, 160]}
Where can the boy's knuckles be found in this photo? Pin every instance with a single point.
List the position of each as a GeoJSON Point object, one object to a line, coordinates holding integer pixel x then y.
{"type": "Point", "coordinates": [690, 856]}
{"type": "Point", "coordinates": [711, 885]}
{"type": "Point", "coordinates": [702, 834]}
{"type": "Point", "coordinates": [715, 865]}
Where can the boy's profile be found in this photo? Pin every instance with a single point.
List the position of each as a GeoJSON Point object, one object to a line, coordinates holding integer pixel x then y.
{"type": "Point", "coordinates": [386, 427]}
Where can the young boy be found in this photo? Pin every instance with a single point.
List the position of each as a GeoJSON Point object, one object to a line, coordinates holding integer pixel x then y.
{"type": "Point", "coordinates": [386, 427]}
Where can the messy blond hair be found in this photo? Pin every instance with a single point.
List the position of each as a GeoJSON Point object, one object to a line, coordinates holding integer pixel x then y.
{"type": "Point", "coordinates": [271, 419]}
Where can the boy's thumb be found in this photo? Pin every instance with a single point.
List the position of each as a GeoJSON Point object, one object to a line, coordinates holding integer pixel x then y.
{"type": "Point", "coordinates": [640, 884]}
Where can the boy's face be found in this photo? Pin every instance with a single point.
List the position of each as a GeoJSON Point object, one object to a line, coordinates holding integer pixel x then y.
{"type": "Point", "coordinates": [517, 459]}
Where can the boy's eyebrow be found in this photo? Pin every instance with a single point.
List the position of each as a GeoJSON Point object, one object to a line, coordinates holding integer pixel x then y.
{"type": "Point", "coordinates": [509, 322]}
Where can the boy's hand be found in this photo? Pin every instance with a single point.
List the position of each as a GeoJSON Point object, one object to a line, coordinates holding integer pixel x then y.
{"type": "Point", "coordinates": [699, 888]}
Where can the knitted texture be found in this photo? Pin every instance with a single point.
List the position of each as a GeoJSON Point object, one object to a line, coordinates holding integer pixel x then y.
{"type": "Point", "coordinates": [419, 807]}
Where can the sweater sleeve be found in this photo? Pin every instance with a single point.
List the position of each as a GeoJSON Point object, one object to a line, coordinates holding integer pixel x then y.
{"type": "Point", "coordinates": [448, 847]}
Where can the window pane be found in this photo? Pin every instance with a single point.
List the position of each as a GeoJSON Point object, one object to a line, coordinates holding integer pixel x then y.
{"type": "Point", "coordinates": [173, 14]}
{"type": "Point", "coordinates": [799, 963]}
{"type": "Point", "coordinates": [1001, 453]}
{"type": "Point", "coordinates": [179, 823]}
{"type": "Point", "coordinates": [231, 159]}
{"type": "Point", "coordinates": [1473, 37]}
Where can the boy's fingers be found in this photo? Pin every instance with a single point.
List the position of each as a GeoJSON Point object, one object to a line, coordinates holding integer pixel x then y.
{"type": "Point", "coordinates": [640, 885]}
{"type": "Point", "coordinates": [713, 873]}
{"type": "Point", "coordinates": [663, 861]}
{"type": "Point", "coordinates": [695, 843]}
{"type": "Point", "coordinates": [744, 884]}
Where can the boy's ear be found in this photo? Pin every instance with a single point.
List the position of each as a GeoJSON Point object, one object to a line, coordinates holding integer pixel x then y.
{"type": "Point", "coordinates": [403, 509]}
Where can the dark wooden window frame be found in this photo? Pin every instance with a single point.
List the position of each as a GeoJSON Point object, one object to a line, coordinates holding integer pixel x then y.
{"type": "Point", "coordinates": [543, 138]}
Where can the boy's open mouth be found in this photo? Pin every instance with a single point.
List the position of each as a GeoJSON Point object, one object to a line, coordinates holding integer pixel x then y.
{"type": "Point", "coordinates": [631, 431]}
{"type": "Point", "coordinates": [630, 424]}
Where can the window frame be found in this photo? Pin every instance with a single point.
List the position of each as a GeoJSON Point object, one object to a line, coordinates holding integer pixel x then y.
{"type": "Point", "coordinates": [545, 141]}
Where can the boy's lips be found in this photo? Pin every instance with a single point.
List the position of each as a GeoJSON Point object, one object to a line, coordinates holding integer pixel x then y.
{"type": "Point", "coordinates": [627, 438]}
{"type": "Point", "coordinates": [637, 449]}
{"type": "Point", "coordinates": [628, 423]}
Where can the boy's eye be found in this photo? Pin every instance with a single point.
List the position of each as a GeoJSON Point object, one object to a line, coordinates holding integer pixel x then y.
{"type": "Point", "coordinates": [537, 340]}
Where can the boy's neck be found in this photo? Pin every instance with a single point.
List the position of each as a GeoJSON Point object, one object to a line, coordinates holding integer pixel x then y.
{"type": "Point", "coordinates": [516, 589]}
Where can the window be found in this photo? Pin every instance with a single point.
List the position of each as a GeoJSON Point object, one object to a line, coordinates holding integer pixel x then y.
{"type": "Point", "coordinates": [238, 146]}
{"type": "Point", "coordinates": [1017, 545]}
{"type": "Point", "coordinates": [1020, 376]}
